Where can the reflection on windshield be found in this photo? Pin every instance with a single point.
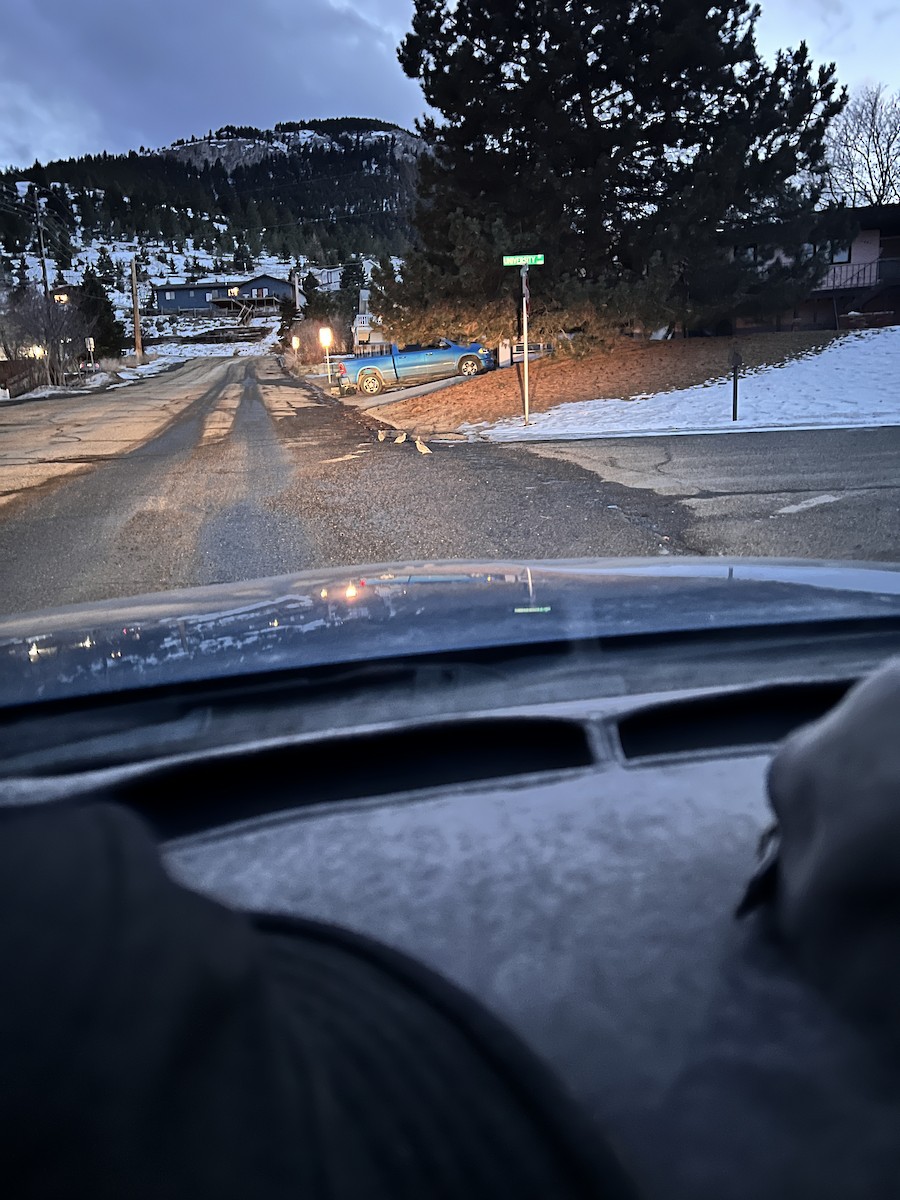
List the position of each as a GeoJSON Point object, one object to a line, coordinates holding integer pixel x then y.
{"type": "Point", "coordinates": [340, 618]}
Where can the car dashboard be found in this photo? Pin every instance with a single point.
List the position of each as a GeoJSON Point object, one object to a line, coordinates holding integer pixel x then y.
{"type": "Point", "coordinates": [574, 863]}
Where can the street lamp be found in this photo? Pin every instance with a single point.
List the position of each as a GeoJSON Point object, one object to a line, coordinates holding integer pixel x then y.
{"type": "Point", "coordinates": [325, 339]}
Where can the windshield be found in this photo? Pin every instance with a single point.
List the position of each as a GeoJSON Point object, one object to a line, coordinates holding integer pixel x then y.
{"type": "Point", "coordinates": [590, 283]}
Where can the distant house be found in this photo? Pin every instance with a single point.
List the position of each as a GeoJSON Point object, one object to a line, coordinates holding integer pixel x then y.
{"type": "Point", "coordinates": [368, 336]}
{"type": "Point", "coordinates": [261, 294]}
{"type": "Point", "coordinates": [64, 293]}
{"type": "Point", "coordinates": [861, 286]}
{"type": "Point", "coordinates": [329, 277]}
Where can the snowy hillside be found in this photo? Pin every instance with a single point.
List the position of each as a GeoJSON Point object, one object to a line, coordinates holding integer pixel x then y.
{"type": "Point", "coordinates": [238, 202]}
{"type": "Point", "coordinates": [234, 151]}
{"type": "Point", "coordinates": [159, 264]}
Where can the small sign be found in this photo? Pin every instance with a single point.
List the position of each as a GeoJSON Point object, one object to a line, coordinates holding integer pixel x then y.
{"type": "Point", "coordinates": [523, 260]}
{"type": "Point", "coordinates": [89, 344]}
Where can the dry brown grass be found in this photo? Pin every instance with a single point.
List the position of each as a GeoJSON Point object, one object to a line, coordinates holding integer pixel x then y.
{"type": "Point", "coordinates": [628, 370]}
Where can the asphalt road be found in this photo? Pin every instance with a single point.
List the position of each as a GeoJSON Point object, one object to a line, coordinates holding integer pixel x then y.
{"type": "Point", "coordinates": [230, 471]}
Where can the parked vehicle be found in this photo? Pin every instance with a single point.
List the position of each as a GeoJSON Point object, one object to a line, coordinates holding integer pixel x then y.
{"type": "Point", "coordinates": [417, 364]}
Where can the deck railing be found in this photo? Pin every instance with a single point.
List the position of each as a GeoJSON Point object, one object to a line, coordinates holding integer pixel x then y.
{"type": "Point", "coordinates": [846, 276]}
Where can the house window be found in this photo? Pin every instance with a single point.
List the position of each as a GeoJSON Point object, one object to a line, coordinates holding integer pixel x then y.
{"type": "Point", "coordinates": [745, 254]}
{"type": "Point", "coordinates": [232, 291]}
{"type": "Point", "coordinates": [192, 291]}
{"type": "Point", "coordinates": [170, 295]}
{"type": "Point", "coordinates": [209, 295]}
{"type": "Point", "coordinates": [834, 252]}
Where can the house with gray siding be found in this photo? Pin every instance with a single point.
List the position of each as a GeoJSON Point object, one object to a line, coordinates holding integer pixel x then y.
{"type": "Point", "coordinates": [262, 293]}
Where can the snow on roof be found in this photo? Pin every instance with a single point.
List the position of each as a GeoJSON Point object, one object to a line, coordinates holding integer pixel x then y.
{"type": "Point", "coordinates": [197, 283]}
{"type": "Point", "coordinates": [206, 283]}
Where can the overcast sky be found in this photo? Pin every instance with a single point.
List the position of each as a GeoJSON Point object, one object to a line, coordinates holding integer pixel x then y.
{"type": "Point", "coordinates": [95, 75]}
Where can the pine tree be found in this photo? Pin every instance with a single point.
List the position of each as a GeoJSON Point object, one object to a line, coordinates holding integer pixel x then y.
{"type": "Point", "coordinates": [21, 276]}
{"type": "Point", "coordinates": [62, 249]}
{"type": "Point", "coordinates": [353, 279]}
{"type": "Point", "coordinates": [105, 267]}
{"type": "Point", "coordinates": [100, 316]}
{"type": "Point", "coordinates": [631, 144]}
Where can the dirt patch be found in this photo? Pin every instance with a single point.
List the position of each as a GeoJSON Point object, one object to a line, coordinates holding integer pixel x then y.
{"type": "Point", "coordinates": [629, 370]}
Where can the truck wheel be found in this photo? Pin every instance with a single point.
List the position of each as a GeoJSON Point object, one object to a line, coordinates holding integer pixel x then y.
{"type": "Point", "coordinates": [370, 383]}
{"type": "Point", "coordinates": [469, 365]}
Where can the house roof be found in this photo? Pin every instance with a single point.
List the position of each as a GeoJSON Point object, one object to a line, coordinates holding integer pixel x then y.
{"type": "Point", "coordinates": [214, 283]}
{"type": "Point", "coordinates": [884, 217]}
{"type": "Point", "coordinates": [196, 283]}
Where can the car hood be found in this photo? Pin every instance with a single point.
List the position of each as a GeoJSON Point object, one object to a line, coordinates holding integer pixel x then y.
{"type": "Point", "coordinates": [350, 615]}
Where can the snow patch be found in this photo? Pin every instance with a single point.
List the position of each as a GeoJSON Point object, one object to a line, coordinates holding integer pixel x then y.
{"type": "Point", "coordinates": [853, 382]}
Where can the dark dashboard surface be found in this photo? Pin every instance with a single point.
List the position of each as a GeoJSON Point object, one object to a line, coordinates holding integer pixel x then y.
{"type": "Point", "coordinates": [566, 846]}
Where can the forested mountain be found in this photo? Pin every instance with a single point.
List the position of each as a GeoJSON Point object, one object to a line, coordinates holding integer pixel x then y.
{"type": "Point", "coordinates": [320, 190]}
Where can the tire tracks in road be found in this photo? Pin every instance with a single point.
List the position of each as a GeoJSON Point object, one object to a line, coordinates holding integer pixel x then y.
{"type": "Point", "coordinates": [366, 501]}
{"type": "Point", "coordinates": [49, 441]}
{"type": "Point", "coordinates": [122, 528]}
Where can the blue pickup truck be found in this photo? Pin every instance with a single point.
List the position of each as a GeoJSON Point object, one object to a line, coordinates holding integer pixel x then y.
{"type": "Point", "coordinates": [416, 364]}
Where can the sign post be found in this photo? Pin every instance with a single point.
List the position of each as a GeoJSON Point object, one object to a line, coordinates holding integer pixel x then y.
{"type": "Point", "coordinates": [526, 295]}
{"type": "Point", "coordinates": [89, 345]}
{"type": "Point", "coordinates": [524, 261]}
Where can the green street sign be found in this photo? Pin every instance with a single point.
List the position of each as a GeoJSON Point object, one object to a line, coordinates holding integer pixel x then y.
{"type": "Point", "coordinates": [523, 260]}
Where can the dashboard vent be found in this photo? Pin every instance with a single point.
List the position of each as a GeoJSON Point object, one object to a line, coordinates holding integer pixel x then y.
{"type": "Point", "coordinates": [219, 789]}
{"type": "Point", "coordinates": [756, 717]}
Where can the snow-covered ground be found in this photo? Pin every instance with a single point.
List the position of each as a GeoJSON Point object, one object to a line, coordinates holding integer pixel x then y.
{"type": "Point", "coordinates": [854, 381]}
{"type": "Point", "coordinates": [100, 379]}
{"type": "Point", "coordinates": [163, 264]}
{"type": "Point", "coordinates": [182, 350]}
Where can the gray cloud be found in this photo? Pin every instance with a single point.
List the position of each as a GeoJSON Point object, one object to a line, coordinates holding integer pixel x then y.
{"type": "Point", "coordinates": [99, 75]}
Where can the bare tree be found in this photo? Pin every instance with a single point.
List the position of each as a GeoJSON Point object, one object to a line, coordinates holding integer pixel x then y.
{"type": "Point", "coordinates": [37, 326]}
{"type": "Point", "coordinates": [864, 149]}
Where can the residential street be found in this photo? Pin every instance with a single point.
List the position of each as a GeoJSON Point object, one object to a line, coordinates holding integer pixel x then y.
{"type": "Point", "coordinates": [226, 470]}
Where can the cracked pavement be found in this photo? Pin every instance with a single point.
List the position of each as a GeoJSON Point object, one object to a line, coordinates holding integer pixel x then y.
{"type": "Point", "coordinates": [227, 470]}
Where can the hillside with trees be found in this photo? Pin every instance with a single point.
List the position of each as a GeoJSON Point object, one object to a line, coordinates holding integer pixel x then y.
{"type": "Point", "coordinates": [320, 190]}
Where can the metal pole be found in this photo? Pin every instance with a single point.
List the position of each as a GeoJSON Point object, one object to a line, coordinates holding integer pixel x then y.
{"type": "Point", "coordinates": [737, 362]}
{"type": "Point", "coordinates": [328, 364]}
{"type": "Point", "coordinates": [525, 332]}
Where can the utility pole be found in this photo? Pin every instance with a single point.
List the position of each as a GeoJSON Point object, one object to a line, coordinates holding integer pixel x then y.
{"type": "Point", "coordinates": [40, 233]}
{"type": "Point", "coordinates": [138, 346]}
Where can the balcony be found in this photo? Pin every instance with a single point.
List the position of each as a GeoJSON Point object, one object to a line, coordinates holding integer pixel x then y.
{"type": "Point", "coordinates": [852, 276]}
